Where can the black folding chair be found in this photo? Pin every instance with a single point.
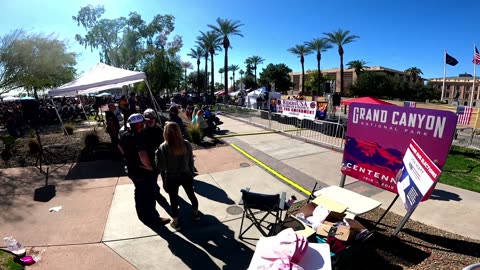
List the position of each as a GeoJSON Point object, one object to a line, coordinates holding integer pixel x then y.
{"type": "Point", "coordinates": [257, 208]}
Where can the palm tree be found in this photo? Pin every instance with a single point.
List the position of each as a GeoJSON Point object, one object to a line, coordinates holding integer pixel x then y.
{"type": "Point", "coordinates": [341, 38]}
{"type": "Point", "coordinates": [319, 45]}
{"type": "Point", "coordinates": [241, 78]}
{"type": "Point", "coordinates": [254, 61]}
{"type": "Point", "coordinates": [211, 41]}
{"type": "Point", "coordinates": [221, 71]}
{"type": "Point", "coordinates": [358, 65]}
{"type": "Point", "coordinates": [226, 28]}
{"type": "Point", "coordinates": [186, 65]}
{"type": "Point", "coordinates": [301, 51]}
{"type": "Point", "coordinates": [414, 72]}
{"type": "Point", "coordinates": [233, 68]}
{"type": "Point", "coordinates": [201, 43]}
{"type": "Point", "coordinates": [197, 54]}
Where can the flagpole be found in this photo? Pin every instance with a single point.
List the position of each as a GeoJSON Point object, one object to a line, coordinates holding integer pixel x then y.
{"type": "Point", "coordinates": [444, 73]}
{"type": "Point", "coordinates": [474, 73]}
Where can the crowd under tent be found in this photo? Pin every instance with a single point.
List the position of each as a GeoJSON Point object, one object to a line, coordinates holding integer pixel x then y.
{"type": "Point", "coordinates": [99, 78]}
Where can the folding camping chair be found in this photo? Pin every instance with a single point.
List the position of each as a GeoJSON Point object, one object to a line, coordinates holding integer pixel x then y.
{"type": "Point", "coordinates": [257, 208]}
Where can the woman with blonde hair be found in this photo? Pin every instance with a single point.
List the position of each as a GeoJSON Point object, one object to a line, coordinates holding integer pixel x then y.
{"type": "Point", "coordinates": [175, 160]}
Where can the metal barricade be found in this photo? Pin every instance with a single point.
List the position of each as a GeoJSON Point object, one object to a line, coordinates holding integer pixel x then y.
{"type": "Point", "coordinates": [322, 132]}
{"type": "Point", "coordinates": [475, 141]}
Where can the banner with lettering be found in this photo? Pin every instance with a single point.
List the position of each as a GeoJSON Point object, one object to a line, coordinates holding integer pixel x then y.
{"type": "Point", "coordinates": [378, 136]}
{"type": "Point", "coordinates": [301, 109]}
{"type": "Point", "coordinates": [417, 176]}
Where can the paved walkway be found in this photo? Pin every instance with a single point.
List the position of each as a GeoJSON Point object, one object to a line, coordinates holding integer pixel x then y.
{"type": "Point", "coordinates": [97, 227]}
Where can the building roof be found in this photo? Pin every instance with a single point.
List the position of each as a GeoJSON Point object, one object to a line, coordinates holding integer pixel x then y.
{"type": "Point", "coordinates": [455, 78]}
{"type": "Point", "coordinates": [375, 68]}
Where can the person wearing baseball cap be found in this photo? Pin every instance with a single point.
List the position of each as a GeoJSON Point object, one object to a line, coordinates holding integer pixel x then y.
{"type": "Point", "coordinates": [133, 147]}
{"type": "Point", "coordinates": [153, 133]}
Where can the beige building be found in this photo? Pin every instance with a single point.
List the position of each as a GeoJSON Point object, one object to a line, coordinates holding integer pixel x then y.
{"type": "Point", "coordinates": [349, 76]}
{"type": "Point", "coordinates": [459, 87]}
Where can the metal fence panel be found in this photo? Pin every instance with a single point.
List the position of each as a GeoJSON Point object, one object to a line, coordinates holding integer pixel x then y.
{"type": "Point", "coordinates": [322, 132]}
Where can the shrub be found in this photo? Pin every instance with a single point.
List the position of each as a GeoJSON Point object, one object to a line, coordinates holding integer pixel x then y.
{"type": "Point", "coordinates": [194, 134]}
{"type": "Point", "coordinates": [9, 142]}
{"type": "Point", "coordinates": [33, 146]}
{"type": "Point", "coordinates": [32, 133]}
{"type": "Point", "coordinates": [69, 127]}
{"type": "Point", "coordinates": [91, 139]}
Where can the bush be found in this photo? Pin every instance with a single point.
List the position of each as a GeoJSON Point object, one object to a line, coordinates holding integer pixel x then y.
{"type": "Point", "coordinates": [194, 134]}
{"type": "Point", "coordinates": [91, 139]}
{"type": "Point", "coordinates": [9, 142]}
{"type": "Point", "coordinates": [33, 146]}
{"type": "Point", "coordinates": [69, 127]}
{"type": "Point", "coordinates": [32, 133]}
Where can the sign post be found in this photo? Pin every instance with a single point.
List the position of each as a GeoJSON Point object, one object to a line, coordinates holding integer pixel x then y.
{"type": "Point", "coordinates": [417, 176]}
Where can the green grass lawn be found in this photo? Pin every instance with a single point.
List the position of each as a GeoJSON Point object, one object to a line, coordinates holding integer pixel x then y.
{"type": "Point", "coordinates": [7, 263]}
{"type": "Point", "coordinates": [462, 169]}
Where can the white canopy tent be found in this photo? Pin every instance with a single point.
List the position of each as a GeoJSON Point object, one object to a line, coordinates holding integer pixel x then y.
{"type": "Point", "coordinates": [9, 98]}
{"type": "Point", "coordinates": [100, 77]}
{"type": "Point", "coordinates": [252, 97]}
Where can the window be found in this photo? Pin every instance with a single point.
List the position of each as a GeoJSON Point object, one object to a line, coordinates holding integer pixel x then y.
{"type": "Point", "coordinates": [467, 88]}
{"type": "Point", "coordinates": [466, 96]}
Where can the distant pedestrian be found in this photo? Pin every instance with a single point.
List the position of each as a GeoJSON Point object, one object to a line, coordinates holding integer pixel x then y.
{"type": "Point", "coordinates": [132, 103]}
{"type": "Point", "coordinates": [140, 171]}
{"type": "Point", "coordinates": [174, 117]}
{"type": "Point", "coordinates": [112, 123]}
{"type": "Point", "coordinates": [175, 160]}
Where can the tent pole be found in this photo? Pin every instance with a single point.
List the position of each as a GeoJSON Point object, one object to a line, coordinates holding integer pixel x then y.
{"type": "Point", "coordinates": [154, 101]}
{"type": "Point", "coordinates": [83, 109]}
{"type": "Point", "coordinates": [59, 117]}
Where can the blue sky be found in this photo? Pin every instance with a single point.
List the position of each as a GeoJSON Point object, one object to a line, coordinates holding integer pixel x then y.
{"type": "Point", "coordinates": [394, 34]}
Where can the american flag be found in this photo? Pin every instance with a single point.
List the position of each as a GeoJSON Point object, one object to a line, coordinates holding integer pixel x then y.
{"type": "Point", "coordinates": [411, 104]}
{"type": "Point", "coordinates": [464, 114]}
{"type": "Point", "coordinates": [476, 57]}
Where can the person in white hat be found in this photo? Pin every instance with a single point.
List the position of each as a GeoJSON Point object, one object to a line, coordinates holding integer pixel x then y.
{"type": "Point", "coordinates": [141, 171]}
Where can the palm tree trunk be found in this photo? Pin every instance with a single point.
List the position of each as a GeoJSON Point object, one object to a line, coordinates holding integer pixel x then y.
{"type": "Point", "coordinates": [225, 67]}
{"type": "Point", "coordinates": [205, 84]}
{"type": "Point", "coordinates": [212, 83]}
{"type": "Point", "coordinates": [233, 82]}
{"type": "Point", "coordinates": [185, 78]}
{"type": "Point", "coordinates": [341, 74]}
{"type": "Point", "coordinates": [198, 75]}
{"type": "Point", "coordinates": [319, 57]}
{"type": "Point", "coordinates": [303, 76]}
{"type": "Point", "coordinates": [255, 68]}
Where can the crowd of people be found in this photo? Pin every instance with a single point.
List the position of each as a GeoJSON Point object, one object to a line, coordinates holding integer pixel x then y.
{"type": "Point", "coordinates": [152, 148]}
{"type": "Point", "coordinates": [69, 109]}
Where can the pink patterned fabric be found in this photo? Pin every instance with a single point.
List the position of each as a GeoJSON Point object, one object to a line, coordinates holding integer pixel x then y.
{"type": "Point", "coordinates": [286, 250]}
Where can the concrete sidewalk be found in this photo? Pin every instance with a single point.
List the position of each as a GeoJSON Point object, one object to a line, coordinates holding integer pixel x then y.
{"type": "Point", "coordinates": [97, 227]}
{"type": "Point", "coordinates": [449, 208]}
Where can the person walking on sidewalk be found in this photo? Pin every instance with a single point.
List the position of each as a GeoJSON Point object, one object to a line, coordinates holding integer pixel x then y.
{"type": "Point", "coordinates": [153, 134]}
{"type": "Point", "coordinates": [175, 160]}
{"type": "Point", "coordinates": [140, 171]}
